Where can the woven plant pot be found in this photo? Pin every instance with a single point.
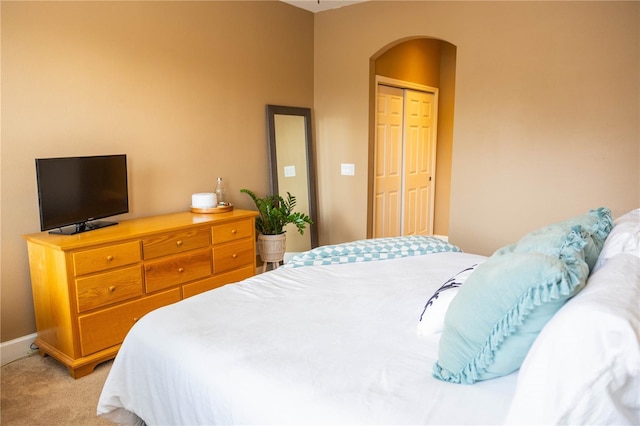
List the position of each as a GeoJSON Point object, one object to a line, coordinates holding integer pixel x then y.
{"type": "Point", "coordinates": [272, 247]}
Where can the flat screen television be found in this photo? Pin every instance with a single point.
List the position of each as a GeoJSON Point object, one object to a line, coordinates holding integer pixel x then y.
{"type": "Point", "coordinates": [75, 191]}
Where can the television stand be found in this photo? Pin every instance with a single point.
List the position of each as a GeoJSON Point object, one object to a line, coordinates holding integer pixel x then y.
{"type": "Point", "coordinates": [82, 227]}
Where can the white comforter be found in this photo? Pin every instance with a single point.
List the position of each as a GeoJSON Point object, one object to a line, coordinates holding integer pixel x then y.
{"type": "Point", "coordinates": [332, 344]}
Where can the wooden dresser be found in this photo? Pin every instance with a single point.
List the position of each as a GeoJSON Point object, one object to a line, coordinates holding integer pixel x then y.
{"type": "Point", "coordinates": [90, 288]}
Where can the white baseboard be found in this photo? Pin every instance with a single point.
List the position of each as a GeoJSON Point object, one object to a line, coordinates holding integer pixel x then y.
{"type": "Point", "coordinates": [16, 348]}
{"type": "Point", "coordinates": [442, 237]}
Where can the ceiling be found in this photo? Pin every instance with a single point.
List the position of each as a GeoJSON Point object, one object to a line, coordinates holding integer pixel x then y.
{"type": "Point", "coordinates": [321, 5]}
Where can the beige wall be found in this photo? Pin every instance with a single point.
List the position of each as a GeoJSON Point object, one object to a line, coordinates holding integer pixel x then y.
{"type": "Point", "coordinates": [546, 118]}
{"type": "Point", "coordinates": [546, 111]}
{"type": "Point", "coordinates": [181, 88]}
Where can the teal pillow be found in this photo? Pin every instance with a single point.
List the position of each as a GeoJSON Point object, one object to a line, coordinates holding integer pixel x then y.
{"type": "Point", "coordinates": [495, 317]}
{"type": "Point", "coordinates": [596, 225]}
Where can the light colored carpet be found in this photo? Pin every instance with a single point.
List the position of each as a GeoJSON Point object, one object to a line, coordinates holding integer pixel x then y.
{"type": "Point", "coordinates": [39, 391]}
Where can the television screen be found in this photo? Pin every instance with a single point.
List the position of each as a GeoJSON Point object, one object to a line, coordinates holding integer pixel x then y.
{"type": "Point", "coordinates": [77, 190]}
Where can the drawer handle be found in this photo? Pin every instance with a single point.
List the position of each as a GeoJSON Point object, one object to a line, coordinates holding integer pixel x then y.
{"type": "Point", "coordinates": [235, 256]}
{"type": "Point", "coordinates": [112, 289]}
{"type": "Point", "coordinates": [110, 258]}
{"type": "Point", "coordinates": [135, 319]}
{"type": "Point", "coordinates": [179, 243]}
{"type": "Point", "coordinates": [234, 232]}
{"type": "Point", "coordinates": [181, 270]}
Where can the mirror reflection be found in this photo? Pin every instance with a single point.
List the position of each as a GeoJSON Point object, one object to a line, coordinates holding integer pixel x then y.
{"type": "Point", "coordinates": [292, 168]}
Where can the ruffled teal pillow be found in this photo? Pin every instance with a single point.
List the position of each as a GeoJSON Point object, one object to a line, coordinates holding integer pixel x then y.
{"type": "Point", "coordinates": [596, 225]}
{"type": "Point", "coordinates": [495, 317]}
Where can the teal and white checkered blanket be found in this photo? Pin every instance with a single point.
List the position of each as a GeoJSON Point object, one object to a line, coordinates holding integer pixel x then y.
{"type": "Point", "coordinates": [371, 249]}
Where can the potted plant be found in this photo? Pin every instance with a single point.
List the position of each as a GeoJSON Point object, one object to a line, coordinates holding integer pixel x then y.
{"type": "Point", "coordinates": [274, 213]}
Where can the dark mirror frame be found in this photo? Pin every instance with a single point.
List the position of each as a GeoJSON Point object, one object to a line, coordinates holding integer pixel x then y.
{"type": "Point", "coordinates": [272, 111]}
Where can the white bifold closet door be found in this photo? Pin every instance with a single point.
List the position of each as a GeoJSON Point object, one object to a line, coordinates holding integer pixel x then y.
{"type": "Point", "coordinates": [405, 147]}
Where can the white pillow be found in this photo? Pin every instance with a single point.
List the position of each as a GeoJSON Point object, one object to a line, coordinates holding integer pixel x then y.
{"type": "Point", "coordinates": [623, 238]}
{"type": "Point", "coordinates": [584, 367]}
{"type": "Point", "coordinates": [632, 216]}
{"type": "Point", "coordinates": [432, 317]}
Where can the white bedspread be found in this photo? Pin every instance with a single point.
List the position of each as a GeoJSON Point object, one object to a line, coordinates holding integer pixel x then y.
{"type": "Point", "coordinates": [332, 344]}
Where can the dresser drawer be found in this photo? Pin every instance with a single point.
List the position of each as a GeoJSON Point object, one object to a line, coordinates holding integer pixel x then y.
{"type": "Point", "coordinates": [175, 242]}
{"type": "Point", "coordinates": [226, 232]}
{"type": "Point", "coordinates": [177, 270]}
{"type": "Point", "coordinates": [233, 255]}
{"type": "Point", "coordinates": [109, 327]}
{"type": "Point", "coordinates": [103, 258]}
{"type": "Point", "coordinates": [107, 288]}
{"type": "Point", "coordinates": [217, 280]}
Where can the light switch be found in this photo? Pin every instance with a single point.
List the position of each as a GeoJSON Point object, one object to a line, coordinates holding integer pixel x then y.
{"type": "Point", "coordinates": [289, 171]}
{"type": "Point", "coordinates": [347, 169]}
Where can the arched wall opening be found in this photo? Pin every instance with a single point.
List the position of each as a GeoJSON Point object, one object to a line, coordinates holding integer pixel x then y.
{"type": "Point", "coordinates": [429, 62]}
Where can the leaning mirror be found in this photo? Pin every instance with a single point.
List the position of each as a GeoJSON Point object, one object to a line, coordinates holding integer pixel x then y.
{"type": "Point", "coordinates": [292, 168]}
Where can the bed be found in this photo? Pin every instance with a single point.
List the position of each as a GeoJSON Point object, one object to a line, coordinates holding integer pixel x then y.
{"type": "Point", "coordinates": [365, 333]}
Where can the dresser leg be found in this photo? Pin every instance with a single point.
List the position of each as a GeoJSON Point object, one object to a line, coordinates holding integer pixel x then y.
{"type": "Point", "coordinates": [85, 370]}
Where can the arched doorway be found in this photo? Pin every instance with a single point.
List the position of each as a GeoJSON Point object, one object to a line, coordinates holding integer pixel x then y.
{"type": "Point", "coordinates": [418, 61]}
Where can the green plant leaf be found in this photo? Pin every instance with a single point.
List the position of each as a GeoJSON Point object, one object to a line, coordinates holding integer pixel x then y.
{"type": "Point", "coordinates": [275, 212]}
